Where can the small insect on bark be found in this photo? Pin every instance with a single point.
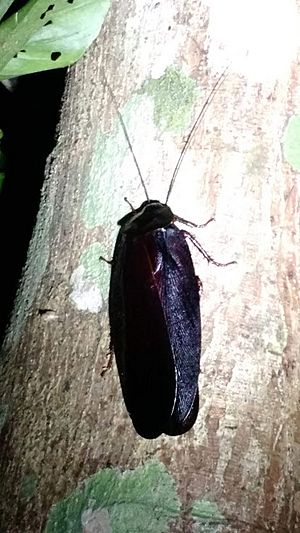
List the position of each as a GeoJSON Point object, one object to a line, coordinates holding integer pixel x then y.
{"type": "Point", "coordinates": [154, 311]}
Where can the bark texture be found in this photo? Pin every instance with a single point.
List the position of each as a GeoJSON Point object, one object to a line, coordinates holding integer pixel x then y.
{"type": "Point", "coordinates": [61, 419]}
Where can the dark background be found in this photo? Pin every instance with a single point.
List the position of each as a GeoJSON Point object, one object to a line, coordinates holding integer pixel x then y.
{"type": "Point", "coordinates": [29, 115]}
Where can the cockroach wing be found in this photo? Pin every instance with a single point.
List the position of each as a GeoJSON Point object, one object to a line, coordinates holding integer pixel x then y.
{"type": "Point", "coordinates": [155, 330]}
{"type": "Point", "coordinates": [139, 334]}
{"type": "Point", "coordinates": [180, 300]}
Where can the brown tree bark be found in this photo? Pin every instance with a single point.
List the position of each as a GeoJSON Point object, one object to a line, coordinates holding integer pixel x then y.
{"type": "Point", "coordinates": [62, 421]}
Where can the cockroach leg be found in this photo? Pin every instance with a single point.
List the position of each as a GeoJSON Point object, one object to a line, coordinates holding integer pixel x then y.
{"type": "Point", "coordinates": [204, 252]}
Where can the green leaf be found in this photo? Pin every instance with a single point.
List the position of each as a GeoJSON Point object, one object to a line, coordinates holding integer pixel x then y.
{"type": "Point", "coordinates": [4, 6]}
{"type": "Point", "coordinates": [138, 501]}
{"type": "Point", "coordinates": [47, 34]}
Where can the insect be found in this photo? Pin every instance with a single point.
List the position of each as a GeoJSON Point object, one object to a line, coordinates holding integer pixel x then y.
{"type": "Point", "coordinates": [154, 311]}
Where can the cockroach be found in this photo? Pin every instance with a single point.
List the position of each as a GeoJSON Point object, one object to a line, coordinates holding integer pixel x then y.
{"type": "Point", "coordinates": [154, 310]}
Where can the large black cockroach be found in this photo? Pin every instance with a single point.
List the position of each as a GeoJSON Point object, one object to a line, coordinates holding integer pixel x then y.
{"type": "Point", "coordinates": [154, 312]}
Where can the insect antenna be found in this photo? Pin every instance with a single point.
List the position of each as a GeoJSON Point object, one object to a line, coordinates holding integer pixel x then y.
{"type": "Point", "coordinates": [195, 125]}
{"type": "Point", "coordinates": [127, 138]}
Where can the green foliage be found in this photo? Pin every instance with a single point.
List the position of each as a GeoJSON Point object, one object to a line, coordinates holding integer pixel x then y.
{"type": "Point", "coordinates": [142, 500]}
{"type": "Point", "coordinates": [47, 34]}
{"type": "Point", "coordinates": [4, 6]}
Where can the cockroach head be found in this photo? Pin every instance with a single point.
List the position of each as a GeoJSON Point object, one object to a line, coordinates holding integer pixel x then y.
{"type": "Point", "coordinates": [151, 215]}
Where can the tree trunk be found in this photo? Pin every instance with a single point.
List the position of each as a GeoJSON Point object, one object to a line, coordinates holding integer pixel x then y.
{"type": "Point", "coordinates": [66, 436]}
